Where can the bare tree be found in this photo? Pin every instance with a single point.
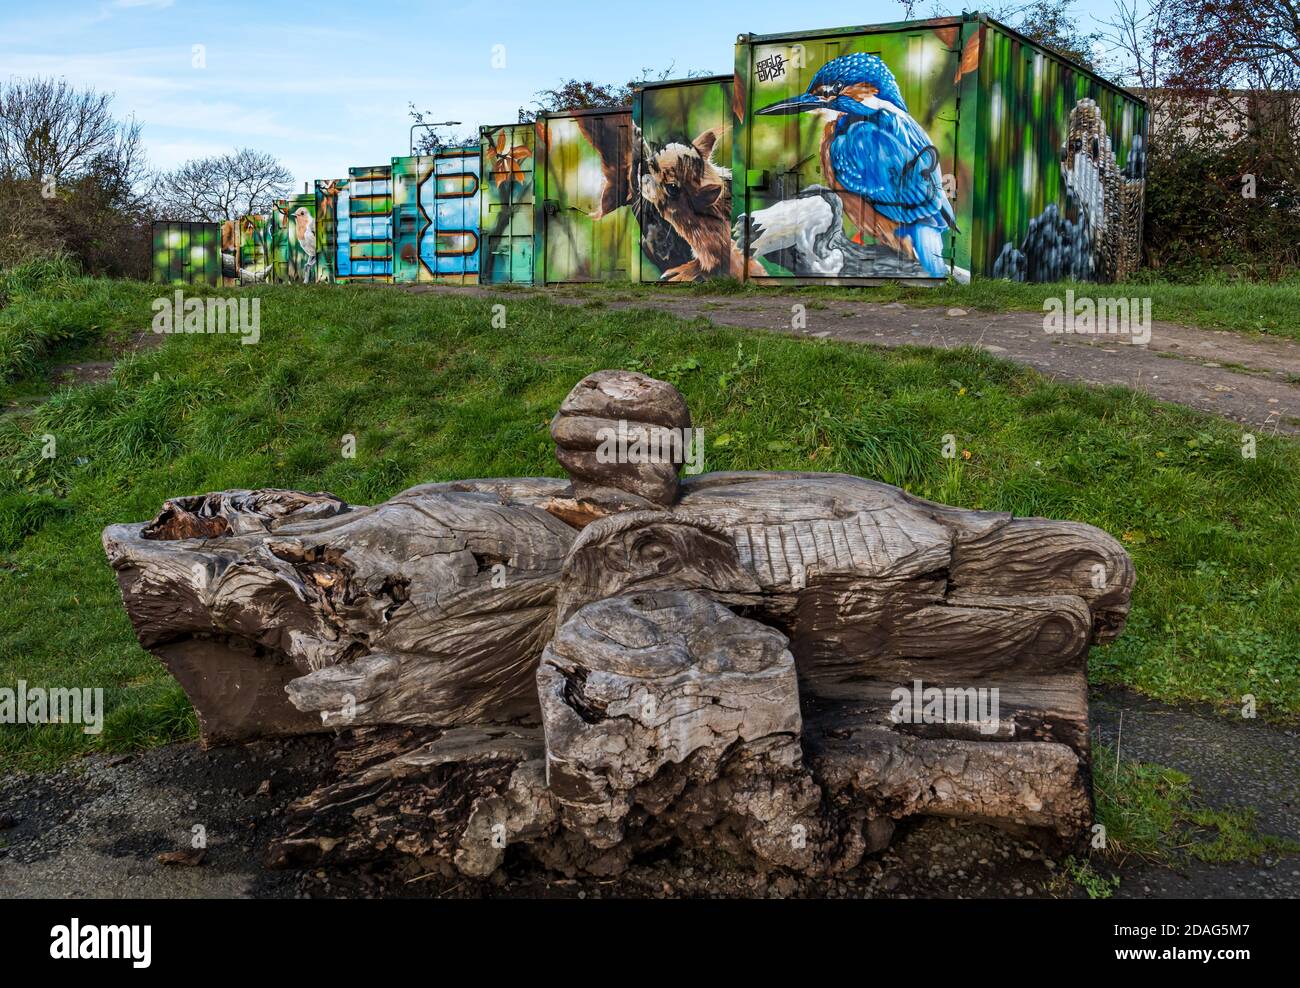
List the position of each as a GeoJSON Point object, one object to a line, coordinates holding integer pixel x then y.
{"type": "Point", "coordinates": [221, 187]}
{"type": "Point", "coordinates": [52, 130]}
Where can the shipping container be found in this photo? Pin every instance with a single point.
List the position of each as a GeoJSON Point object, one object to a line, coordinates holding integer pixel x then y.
{"type": "Point", "coordinates": [918, 150]}
{"type": "Point", "coordinates": [253, 248]}
{"type": "Point", "coordinates": [186, 253]}
{"type": "Point", "coordinates": [332, 260]}
{"type": "Point", "coordinates": [507, 202]}
{"type": "Point", "coordinates": [436, 217]}
{"type": "Point", "coordinates": [682, 179]}
{"type": "Point", "coordinates": [585, 221]}
{"type": "Point", "coordinates": [369, 223]}
{"type": "Point", "coordinates": [293, 240]}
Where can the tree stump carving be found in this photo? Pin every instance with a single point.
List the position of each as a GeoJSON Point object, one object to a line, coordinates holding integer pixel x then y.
{"type": "Point", "coordinates": [775, 665]}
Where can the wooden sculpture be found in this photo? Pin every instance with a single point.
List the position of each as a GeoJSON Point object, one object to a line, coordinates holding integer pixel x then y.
{"type": "Point", "coordinates": [776, 665]}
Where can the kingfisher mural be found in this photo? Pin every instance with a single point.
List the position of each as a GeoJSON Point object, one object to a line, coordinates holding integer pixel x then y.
{"type": "Point", "coordinates": [878, 158]}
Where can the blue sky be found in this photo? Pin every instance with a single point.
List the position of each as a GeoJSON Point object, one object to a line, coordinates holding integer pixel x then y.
{"type": "Point", "coordinates": [325, 85]}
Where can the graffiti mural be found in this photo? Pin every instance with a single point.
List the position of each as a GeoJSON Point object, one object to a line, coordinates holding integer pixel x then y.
{"type": "Point", "coordinates": [846, 142]}
{"type": "Point", "coordinates": [186, 253]}
{"type": "Point", "coordinates": [293, 240]}
{"type": "Point", "coordinates": [1066, 168]}
{"type": "Point", "coordinates": [683, 171]}
{"type": "Point", "coordinates": [246, 250]}
{"type": "Point", "coordinates": [332, 260]}
{"type": "Point", "coordinates": [436, 217]}
{"type": "Point", "coordinates": [369, 219]}
{"type": "Point", "coordinates": [506, 203]}
{"type": "Point", "coordinates": [585, 169]}
{"type": "Point", "coordinates": [921, 150]}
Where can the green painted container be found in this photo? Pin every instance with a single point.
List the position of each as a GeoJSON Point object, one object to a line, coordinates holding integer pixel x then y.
{"type": "Point", "coordinates": [436, 217]}
{"type": "Point", "coordinates": [584, 219]}
{"type": "Point", "coordinates": [923, 149]}
{"type": "Point", "coordinates": [186, 253]}
{"type": "Point", "coordinates": [682, 134]}
{"type": "Point", "coordinates": [332, 258]}
{"type": "Point", "coordinates": [370, 224]}
{"type": "Point", "coordinates": [293, 240]}
{"type": "Point", "coordinates": [507, 203]}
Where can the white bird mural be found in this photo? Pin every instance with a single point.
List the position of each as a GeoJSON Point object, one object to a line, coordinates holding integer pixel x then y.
{"type": "Point", "coordinates": [305, 228]}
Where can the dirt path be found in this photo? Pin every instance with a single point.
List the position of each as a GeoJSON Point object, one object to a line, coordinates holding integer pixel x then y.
{"type": "Point", "coordinates": [97, 827]}
{"type": "Point", "coordinates": [1252, 380]}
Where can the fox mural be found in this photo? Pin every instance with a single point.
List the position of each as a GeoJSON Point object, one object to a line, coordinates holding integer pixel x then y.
{"type": "Point", "coordinates": [683, 132]}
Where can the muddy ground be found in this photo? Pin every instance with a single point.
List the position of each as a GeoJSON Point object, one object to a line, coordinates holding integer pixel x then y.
{"type": "Point", "coordinates": [98, 827]}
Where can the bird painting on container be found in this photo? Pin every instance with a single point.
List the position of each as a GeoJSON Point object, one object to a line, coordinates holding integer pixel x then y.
{"type": "Point", "coordinates": [878, 158]}
{"type": "Point", "coordinates": [305, 228]}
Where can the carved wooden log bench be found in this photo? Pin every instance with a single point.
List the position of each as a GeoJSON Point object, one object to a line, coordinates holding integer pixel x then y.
{"type": "Point", "coordinates": [780, 666]}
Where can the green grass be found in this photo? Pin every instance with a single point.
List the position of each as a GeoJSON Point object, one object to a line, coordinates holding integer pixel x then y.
{"type": "Point", "coordinates": [433, 392]}
{"type": "Point", "coordinates": [1241, 306]}
{"type": "Point", "coordinates": [48, 311]}
{"type": "Point", "coordinates": [1154, 814]}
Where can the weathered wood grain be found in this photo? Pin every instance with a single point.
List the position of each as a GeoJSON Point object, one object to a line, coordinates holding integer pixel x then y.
{"type": "Point", "coordinates": [587, 669]}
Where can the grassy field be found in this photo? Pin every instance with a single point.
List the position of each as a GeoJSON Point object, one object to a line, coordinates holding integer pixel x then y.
{"type": "Point", "coordinates": [432, 391]}
{"type": "Point", "coordinates": [1264, 308]}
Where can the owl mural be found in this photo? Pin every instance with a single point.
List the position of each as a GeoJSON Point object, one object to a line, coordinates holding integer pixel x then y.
{"type": "Point", "coordinates": [1101, 242]}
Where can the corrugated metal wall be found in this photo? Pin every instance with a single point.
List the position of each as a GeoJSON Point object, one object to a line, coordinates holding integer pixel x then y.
{"type": "Point", "coordinates": [369, 223]}
{"type": "Point", "coordinates": [436, 217]}
{"type": "Point", "coordinates": [187, 253]}
{"type": "Point", "coordinates": [507, 204]}
{"type": "Point", "coordinates": [1062, 176]}
{"type": "Point", "coordinates": [584, 167]}
{"type": "Point", "coordinates": [332, 236]}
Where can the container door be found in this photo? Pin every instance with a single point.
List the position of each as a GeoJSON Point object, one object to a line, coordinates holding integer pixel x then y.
{"type": "Point", "coordinates": [408, 224]}
{"type": "Point", "coordinates": [207, 254]}
{"type": "Point", "coordinates": [451, 248]}
{"type": "Point", "coordinates": [803, 219]}
{"type": "Point", "coordinates": [610, 234]}
{"type": "Point", "coordinates": [506, 194]}
{"type": "Point", "coordinates": [371, 224]}
{"type": "Point", "coordinates": [588, 220]}
{"type": "Point", "coordinates": [568, 203]}
{"type": "Point", "coordinates": [180, 253]}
